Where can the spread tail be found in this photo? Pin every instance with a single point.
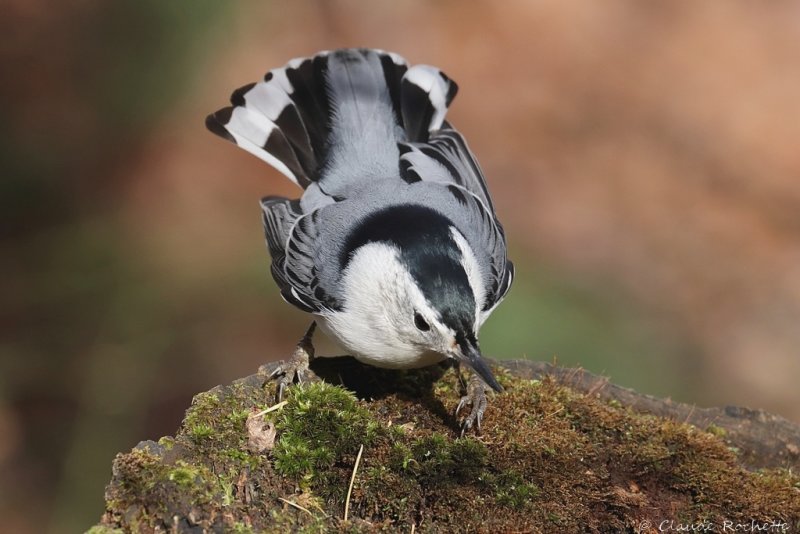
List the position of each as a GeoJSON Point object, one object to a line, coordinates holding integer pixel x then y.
{"type": "Point", "coordinates": [338, 113]}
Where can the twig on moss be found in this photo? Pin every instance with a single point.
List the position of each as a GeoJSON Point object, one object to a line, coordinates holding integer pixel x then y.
{"type": "Point", "coordinates": [290, 503]}
{"type": "Point", "coordinates": [352, 480]}
{"type": "Point", "coordinates": [271, 409]}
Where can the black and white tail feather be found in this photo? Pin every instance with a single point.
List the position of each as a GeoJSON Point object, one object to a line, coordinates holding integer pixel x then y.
{"type": "Point", "coordinates": [335, 121]}
{"type": "Point", "coordinates": [293, 117]}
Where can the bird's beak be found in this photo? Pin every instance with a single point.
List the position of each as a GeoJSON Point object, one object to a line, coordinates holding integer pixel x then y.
{"type": "Point", "coordinates": [470, 354]}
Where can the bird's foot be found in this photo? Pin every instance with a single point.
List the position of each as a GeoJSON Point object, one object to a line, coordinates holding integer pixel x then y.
{"type": "Point", "coordinates": [295, 369]}
{"type": "Point", "coordinates": [476, 397]}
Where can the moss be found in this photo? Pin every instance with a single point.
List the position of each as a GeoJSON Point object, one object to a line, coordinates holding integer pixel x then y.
{"type": "Point", "coordinates": [200, 431]}
{"type": "Point", "coordinates": [511, 490]}
{"type": "Point", "coordinates": [185, 475]}
{"type": "Point", "coordinates": [214, 427]}
{"type": "Point", "coordinates": [437, 459]}
{"type": "Point", "coordinates": [319, 427]}
{"type": "Point", "coordinates": [148, 491]}
{"type": "Point", "coordinates": [167, 442]}
{"type": "Point", "coordinates": [241, 528]}
{"type": "Point", "coordinates": [717, 431]}
{"type": "Point", "coordinates": [549, 459]}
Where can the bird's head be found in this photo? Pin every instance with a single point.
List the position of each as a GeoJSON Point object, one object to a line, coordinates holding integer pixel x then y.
{"type": "Point", "coordinates": [415, 290]}
{"type": "Point", "coordinates": [446, 315]}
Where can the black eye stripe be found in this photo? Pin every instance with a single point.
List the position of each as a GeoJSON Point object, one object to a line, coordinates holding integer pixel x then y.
{"type": "Point", "coordinates": [420, 322]}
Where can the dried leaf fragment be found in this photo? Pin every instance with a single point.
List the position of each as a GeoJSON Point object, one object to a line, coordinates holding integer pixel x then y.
{"type": "Point", "coordinates": [260, 433]}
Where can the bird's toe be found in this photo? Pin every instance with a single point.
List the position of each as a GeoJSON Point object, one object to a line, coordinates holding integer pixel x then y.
{"type": "Point", "coordinates": [476, 398]}
{"type": "Point", "coordinates": [295, 369]}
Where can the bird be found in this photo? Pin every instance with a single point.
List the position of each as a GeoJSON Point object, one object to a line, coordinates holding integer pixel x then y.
{"type": "Point", "coordinates": [394, 246]}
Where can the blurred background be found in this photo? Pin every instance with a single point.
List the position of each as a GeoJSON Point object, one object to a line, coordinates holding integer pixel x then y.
{"type": "Point", "coordinates": [643, 157]}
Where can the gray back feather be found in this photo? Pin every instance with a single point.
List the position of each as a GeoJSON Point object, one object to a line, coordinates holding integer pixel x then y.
{"type": "Point", "coordinates": [364, 130]}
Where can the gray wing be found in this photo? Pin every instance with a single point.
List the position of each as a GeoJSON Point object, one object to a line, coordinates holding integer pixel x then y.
{"type": "Point", "coordinates": [446, 159]}
{"type": "Point", "coordinates": [294, 247]}
{"type": "Point", "coordinates": [485, 233]}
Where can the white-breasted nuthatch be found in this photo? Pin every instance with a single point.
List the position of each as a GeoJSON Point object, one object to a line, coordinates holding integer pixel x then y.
{"type": "Point", "coordinates": [394, 246]}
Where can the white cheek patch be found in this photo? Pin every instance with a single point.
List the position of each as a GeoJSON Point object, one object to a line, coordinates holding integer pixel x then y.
{"type": "Point", "coordinates": [371, 273]}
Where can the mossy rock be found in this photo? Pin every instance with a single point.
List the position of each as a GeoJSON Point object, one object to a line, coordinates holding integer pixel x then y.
{"type": "Point", "coordinates": [550, 458]}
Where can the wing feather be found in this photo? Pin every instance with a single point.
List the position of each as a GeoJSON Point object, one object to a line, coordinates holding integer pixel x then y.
{"type": "Point", "coordinates": [292, 242]}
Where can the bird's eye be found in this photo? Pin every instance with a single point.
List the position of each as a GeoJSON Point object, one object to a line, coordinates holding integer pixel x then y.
{"type": "Point", "coordinates": [420, 322]}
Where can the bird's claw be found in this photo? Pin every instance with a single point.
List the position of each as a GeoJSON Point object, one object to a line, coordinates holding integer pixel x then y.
{"type": "Point", "coordinates": [475, 396]}
{"type": "Point", "coordinates": [295, 369]}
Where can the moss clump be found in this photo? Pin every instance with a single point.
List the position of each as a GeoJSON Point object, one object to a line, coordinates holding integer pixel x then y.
{"type": "Point", "coordinates": [717, 431]}
{"type": "Point", "coordinates": [511, 490]}
{"type": "Point", "coordinates": [320, 426]}
{"type": "Point", "coordinates": [149, 491]}
{"type": "Point", "coordinates": [549, 459]}
{"type": "Point", "coordinates": [186, 475]}
{"type": "Point", "coordinates": [200, 431]}
{"type": "Point", "coordinates": [437, 459]}
{"type": "Point", "coordinates": [214, 428]}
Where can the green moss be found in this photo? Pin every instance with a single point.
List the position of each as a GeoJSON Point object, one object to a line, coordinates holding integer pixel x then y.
{"type": "Point", "coordinates": [437, 459]}
{"type": "Point", "coordinates": [401, 457]}
{"type": "Point", "coordinates": [282, 521]}
{"type": "Point", "coordinates": [511, 490]}
{"type": "Point", "coordinates": [549, 459]}
{"type": "Point", "coordinates": [717, 431]}
{"type": "Point", "coordinates": [167, 442]}
{"type": "Point", "coordinates": [241, 528]}
{"type": "Point", "coordinates": [200, 431]}
{"type": "Point", "coordinates": [320, 426]}
{"type": "Point", "coordinates": [184, 474]}
{"type": "Point", "coordinates": [214, 427]}
{"type": "Point", "coordinates": [150, 490]}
